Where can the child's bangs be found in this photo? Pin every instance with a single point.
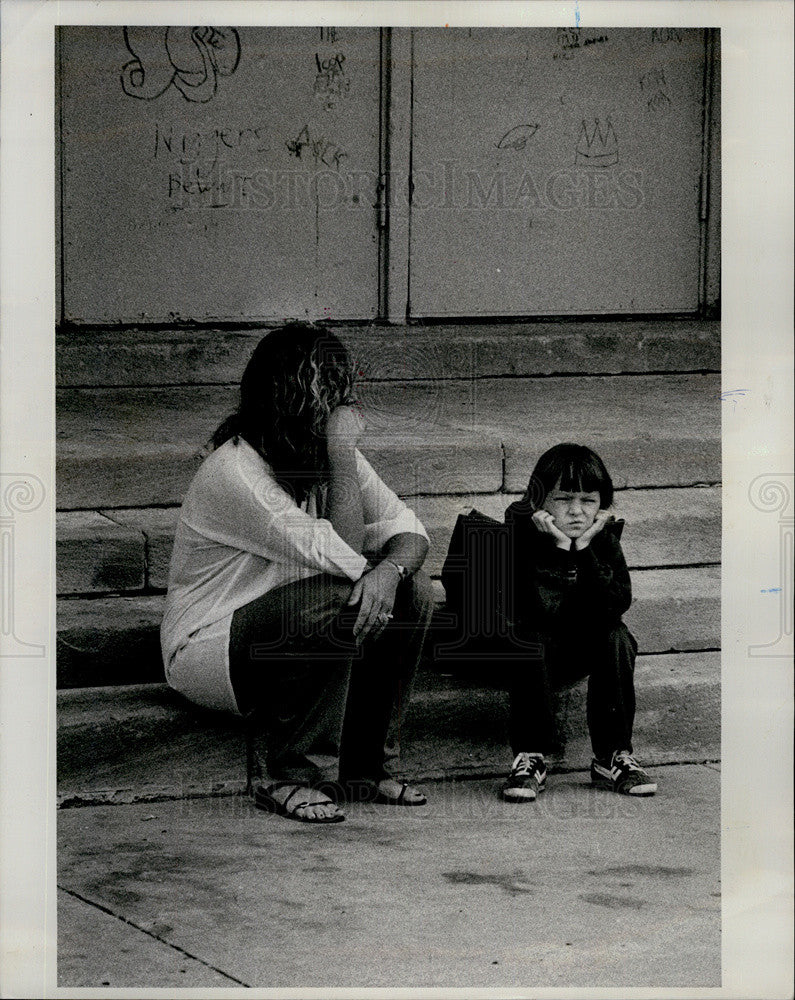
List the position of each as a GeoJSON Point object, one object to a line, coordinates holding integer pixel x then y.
{"type": "Point", "coordinates": [581, 475]}
{"type": "Point", "coordinates": [573, 468]}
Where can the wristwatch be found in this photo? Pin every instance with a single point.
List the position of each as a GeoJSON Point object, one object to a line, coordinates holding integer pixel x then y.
{"type": "Point", "coordinates": [403, 571]}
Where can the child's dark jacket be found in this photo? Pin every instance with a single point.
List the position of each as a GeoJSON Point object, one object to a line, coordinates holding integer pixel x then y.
{"type": "Point", "coordinates": [554, 591]}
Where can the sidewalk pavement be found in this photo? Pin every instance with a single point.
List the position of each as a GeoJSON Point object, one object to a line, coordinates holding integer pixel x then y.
{"type": "Point", "coordinates": [582, 888]}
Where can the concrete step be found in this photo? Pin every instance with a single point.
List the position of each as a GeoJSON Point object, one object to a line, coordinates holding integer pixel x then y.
{"type": "Point", "coordinates": [95, 554]}
{"type": "Point", "coordinates": [140, 447]}
{"type": "Point", "coordinates": [675, 609]}
{"type": "Point", "coordinates": [118, 550]}
{"type": "Point", "coordinates": [664, 527]}
{"type": "Point", "coordinates": [114, 640]}
{"type": "Point", "coordinates": [121, 448]}
{"type": "Point", "coordinates": [132, 744]}
{"type": "Point", "coordinates": [111, 640]}
{"type": "Point", "coordinates": [657, 430]}
{"type": "Point", "coordinates": [175, 357]}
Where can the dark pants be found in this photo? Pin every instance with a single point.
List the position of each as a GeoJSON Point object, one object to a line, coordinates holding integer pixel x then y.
{"type": "Point", "coordinates": [607, 658]}
{"type": "Point", "coordinates": [323, 708]}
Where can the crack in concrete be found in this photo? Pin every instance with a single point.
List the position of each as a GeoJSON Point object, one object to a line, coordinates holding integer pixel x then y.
{"type": "Point", "coordinates": [151, 934]}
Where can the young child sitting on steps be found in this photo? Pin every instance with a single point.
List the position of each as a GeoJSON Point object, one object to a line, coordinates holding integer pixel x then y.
{"type": "Point", "coordinates": [569, 587]}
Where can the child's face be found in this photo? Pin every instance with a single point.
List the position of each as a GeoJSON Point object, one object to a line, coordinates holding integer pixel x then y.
{"type": "Point", "coordinates": [573, 512]}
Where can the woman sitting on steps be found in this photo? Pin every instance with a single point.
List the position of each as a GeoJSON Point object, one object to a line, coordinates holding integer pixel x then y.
{"type": "Point", "coordinates": [295, 594]}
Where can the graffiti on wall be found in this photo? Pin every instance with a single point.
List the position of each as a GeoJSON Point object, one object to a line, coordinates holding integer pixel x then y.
{"type": "Point", "coordinates": [320, 148]}
{"type": "Point", "coordinates": [188, 58]}
{"type": "Point", "coordinates": [517, 137]}
{"type": "Point", "coordinates": [654, 88]}
{"type": "Point", "coordinates": [662, 36]}
{"type": "Point", "coordinates": [331, 81]}
{"type": "Point", "coordinates": [597, 145]}
{"type": "Point", "coordinates": [568, 41]}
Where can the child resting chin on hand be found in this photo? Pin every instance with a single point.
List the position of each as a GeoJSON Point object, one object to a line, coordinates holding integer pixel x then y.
{"type": "Point", "coordinates": [569, 588]}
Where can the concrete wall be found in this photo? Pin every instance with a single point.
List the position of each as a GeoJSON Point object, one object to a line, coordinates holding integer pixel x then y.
{"type": "Point", "coordinates": [250, 196]}
{"type": "Point", "coordinates": [556, 171]}
{"type": "Point", "coordinates": [244, 175]}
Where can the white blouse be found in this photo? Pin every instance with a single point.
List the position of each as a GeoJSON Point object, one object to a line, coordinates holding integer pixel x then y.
{"type": "Point", "coordinates": [240, 535]}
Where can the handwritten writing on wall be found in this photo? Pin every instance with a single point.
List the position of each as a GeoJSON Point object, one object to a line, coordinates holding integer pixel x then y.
{"type": "Point", "coordinates": [331, 83]}
{"type": "Point", "coordinates": [189, 58]}
{"type": "Point", "coordinates": [207, 145]}
{"type": "Point", "coordinates": [569, 41]}
{"type": "Point", "coordinates": [664, 35]}
{"type": "Point", "coordinates": [211, 167]}
{"type": "Point", "coordinates": [318, 147]}
{"type": "Point", "coordinates": [221, 189]}
{"type": "Point", "coordinates": [224, 166]}
{"type": "Point", "coordinates": [654, 88]}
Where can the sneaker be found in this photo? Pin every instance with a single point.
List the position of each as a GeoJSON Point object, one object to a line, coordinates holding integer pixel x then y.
{"type": "Point", "coordinates": [528, 777]}
{"type": "Point", "coordinates": [623, 774]}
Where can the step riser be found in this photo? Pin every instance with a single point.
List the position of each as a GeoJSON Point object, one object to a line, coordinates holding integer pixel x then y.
{"type": "Point", "coordinates": [134, 480]}
{"type": "Point", "coordinates": [133, 357]}
{"type": "Point", "coordinates": [138, 447]}
{"type": "Point", "coordinates": [632, 462]}
{"type": "Point", "coordinates": [675, 624]}
{"type": "Point", "coordinates": [115, 640]}
{"type": "Point", "coordinates": [117, 551]}
{"type": "Point", "coordinates": [451, 729]}
{"type": "Point", "coordinates": [107, 558]}
{"type": "Point", "coordinates": [157, 480]}
{"type": "Point", "coordinates": [142, 481]}
{"type": "Point", "coordinates": [678, 713]}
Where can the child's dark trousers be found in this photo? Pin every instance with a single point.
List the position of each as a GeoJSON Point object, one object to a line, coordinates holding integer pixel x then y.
{"type": "Point", "coordinates": [606, 656]}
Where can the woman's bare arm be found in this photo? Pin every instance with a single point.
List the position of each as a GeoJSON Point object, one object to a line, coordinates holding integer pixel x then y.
{"type": "Point", "coordinates": [406, 549]}
{"type": "Point", "coordinates": [343, 430]}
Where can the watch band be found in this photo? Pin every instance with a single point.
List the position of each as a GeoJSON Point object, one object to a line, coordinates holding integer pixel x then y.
{"type": "Point", "coordinates": [403, 571]}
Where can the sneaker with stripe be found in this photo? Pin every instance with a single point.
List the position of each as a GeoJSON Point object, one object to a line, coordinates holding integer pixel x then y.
{"type": "Point", "coordinates": [623, 774]}
{"type": "Point", "coordinates": [528, 777]}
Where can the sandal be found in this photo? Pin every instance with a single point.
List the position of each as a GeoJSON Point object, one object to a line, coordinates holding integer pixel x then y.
{"type": "Point", "coordinates": [368, 791]}
{"type": "Point", "coordinates": [400, 800]}
{"type": "Point", "coordinates": [263, 799]}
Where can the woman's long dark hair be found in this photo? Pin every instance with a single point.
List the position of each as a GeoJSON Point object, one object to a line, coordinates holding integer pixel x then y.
{"type": "Point", "coordinates": [297, 375]}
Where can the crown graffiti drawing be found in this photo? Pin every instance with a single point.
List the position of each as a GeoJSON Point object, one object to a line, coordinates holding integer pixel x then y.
{"type": "Point", "coordinates": [597, 145]}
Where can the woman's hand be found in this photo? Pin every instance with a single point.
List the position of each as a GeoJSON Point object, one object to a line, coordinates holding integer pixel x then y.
{"type": "Point", "coordinates": [344, 427]}
{"type": "Point", "coordinates": [376, 591]}
{"type": "Point", "coordinates": [545, 523]}
{"type": "Point", "coordinates": [601, 519]}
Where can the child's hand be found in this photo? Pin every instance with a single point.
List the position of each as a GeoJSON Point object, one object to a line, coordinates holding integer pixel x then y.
{"type": "Point", "coordinates": [545, 523]}
{"type": "Point", "coordinates": [601, 519]}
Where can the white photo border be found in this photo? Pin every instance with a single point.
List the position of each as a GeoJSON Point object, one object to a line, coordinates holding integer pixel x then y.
{"type": "Point", "coordinates": [757, 318]}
